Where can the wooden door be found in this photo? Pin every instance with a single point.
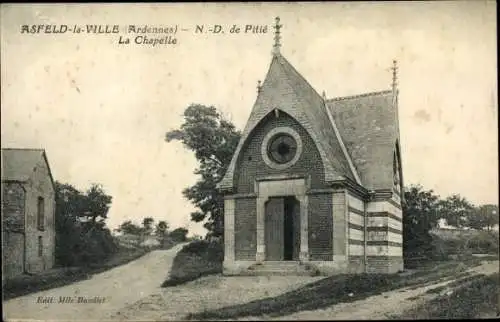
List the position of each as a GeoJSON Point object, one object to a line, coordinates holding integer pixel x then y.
{"type": "Point", "coordinates": [274, 229]}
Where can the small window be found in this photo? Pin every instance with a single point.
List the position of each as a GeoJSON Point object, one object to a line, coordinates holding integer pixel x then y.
{"type": "Point", "coordinates": [41, 213]}
{"type": "Point", "coordinates": [40, 246]}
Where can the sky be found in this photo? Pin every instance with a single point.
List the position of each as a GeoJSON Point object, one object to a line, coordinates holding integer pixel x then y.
{"type": "Point", "coordinates": [101, 109]}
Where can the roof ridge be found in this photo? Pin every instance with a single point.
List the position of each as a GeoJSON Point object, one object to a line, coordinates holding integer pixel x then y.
{"type": "Point", "coordinates": [340, 98]}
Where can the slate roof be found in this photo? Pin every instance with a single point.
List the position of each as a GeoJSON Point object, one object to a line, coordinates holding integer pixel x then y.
{"type": "Point", "coordinates": [324, 124]}
{"type": "Point", "coordinates": [18, 164]}
{"type": "Point", "coordinates": [285, 89]}
{"type": "Point", "coordinates": [368, 127]}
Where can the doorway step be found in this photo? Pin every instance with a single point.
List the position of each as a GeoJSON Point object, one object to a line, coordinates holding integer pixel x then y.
{"type": "Point", "coordinates": [293, 268]}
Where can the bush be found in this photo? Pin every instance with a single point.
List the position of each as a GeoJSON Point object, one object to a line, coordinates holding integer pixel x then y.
{"type": "Point", "coordinates": [453, 244]}
{"type": "Point", "coordinates": [194, 260]}
{"type": "Point", "coordinates": [446, 243]}
{"type": "Point", "coordinates": [77, 247]}
{"type": "Point", "coordinates": [179, 234]}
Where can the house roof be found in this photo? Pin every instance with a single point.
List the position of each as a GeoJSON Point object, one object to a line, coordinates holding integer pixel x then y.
{"type": "Point", "coordinates": [368, 127]}
{"type": "Point", "coordinates": [285, 89]}
{"type": "Point", "coordinates": [18, 164]}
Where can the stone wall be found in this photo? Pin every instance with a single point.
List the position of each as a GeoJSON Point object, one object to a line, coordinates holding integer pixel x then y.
{"type": "Point", "coordinates": [13, 253]}
{"type": "Point", "coordinates": [320, 227]}
{"type": "Point", "coordinates": [13, 206]}
{"type": "Point", "coordinates": [245, 228]}
{"type": "Point", "coordinates": [40, 185]}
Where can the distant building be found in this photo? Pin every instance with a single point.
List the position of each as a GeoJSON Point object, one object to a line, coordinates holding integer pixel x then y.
{"type": "Point", "coordinates": [443, 224]}
{"type": "Point", "coordinates": [150, 241]}
{"type": "Point", "coordinates": [314, 182]}
{"type": "Point", "coordinates": [28, 209]}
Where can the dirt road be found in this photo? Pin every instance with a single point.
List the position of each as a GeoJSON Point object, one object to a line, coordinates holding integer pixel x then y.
{"type": "Point", "coordinates": [99, 297]}
{"type": "Point", "coordinates": [379, 307]}
{"type": "Point", "coordinates": [208, 293]}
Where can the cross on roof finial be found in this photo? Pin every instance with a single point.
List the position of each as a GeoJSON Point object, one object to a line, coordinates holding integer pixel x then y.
{"type": "Point", "coordinates": [394, 75]}
{"type": "Point", "coordinates": [277, 37]}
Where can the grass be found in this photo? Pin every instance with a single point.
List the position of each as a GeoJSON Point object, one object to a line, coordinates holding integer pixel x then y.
{"type": "Point", "coordinates": [474, 298]}
{"type": "Point", "coordinates": [458, 282]}
{"type": "Point", "coordinates": [457, 242]}
{"type": "Point", "coordinates": [332, 290]}
{"type": "Point", "coordinates": [196, 259]}
{"type": "Point", "coordinates": [58, 277]}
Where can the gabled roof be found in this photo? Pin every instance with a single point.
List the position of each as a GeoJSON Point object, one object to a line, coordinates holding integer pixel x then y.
{"type": "Point", "coordinates": [285, 89]}
{"type": "Point", "coordinates": [368, 126]}
{"type": "Point", "coordinates": [19, 164]}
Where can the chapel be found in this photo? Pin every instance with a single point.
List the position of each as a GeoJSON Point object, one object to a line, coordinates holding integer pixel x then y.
{"type": "Point", "coordinates": [315, 183]}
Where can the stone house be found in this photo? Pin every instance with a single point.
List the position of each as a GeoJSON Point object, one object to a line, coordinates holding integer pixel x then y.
{"type": "Point", "coordinates": [315, 183]}
{"type": "Point", "coordinates": [28, 209]}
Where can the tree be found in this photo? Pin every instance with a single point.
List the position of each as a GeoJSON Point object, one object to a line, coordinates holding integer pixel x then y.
{"type": "Point", "coordinates": [69, 203]}
{"type": "Point", "coordinates": [477, 219]}
{"type": "Point", "coordinates": [96, 203]}
{"type": "Point", "coordinates": [127, 227]}
{"type": "Point", "coordinates": [179, 234]}
{"type": "Point", "coordinates": [213, 139]}
{"type": "Point", "coordinates": [162, 234]}
{"type": "Point", "coordinates": [81, 242]}
{"type": "Point", "coordinates": [419, 217]}
{"type": "Point", "coordinates": [490, 212]}
{"type": "Point", "coordinates": [161, 228]}
{"type": "Point", "coordinates": [68, 232]}
{"type": "Point", "coordinates": [147, 223]}
{"type": "Point", "coordinates": [483, 216]}
{"type": "Point", "coordinates": [456, 210]}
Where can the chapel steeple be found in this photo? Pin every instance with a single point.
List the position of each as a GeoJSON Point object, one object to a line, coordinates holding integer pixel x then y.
{"type": "Point", "coordinates": [277, 36]}
{"type": "Point", "coordinates": [394, 68]}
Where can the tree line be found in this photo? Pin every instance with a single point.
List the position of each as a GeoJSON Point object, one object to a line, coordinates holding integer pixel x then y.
{"type": "Point", "coordinates": [82, 237]}
{"type": "Point", "coordinates": [159, 230]}
{"type": "Point", "coordinates": [423, 209]}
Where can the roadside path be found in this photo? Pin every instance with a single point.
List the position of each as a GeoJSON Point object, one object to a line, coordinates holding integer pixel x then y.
{"type": "Point", "coordinates": [116, 288]}
{"type": "Point", "coordinates": [378, 307]}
